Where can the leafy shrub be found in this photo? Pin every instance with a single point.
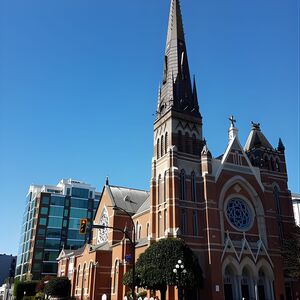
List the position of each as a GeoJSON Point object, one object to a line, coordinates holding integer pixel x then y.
{"type": "Point", "coordinates": [24, 288]}
{"type": "Point", "coordinates": [60, 287]}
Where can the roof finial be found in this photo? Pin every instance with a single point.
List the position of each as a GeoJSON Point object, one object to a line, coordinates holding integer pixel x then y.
{"type": "Point", "coordinates": [232, 121]}
{"type": "Point", "coordinates": [280, 145]}
{"type": "Point", "coordinates": [255, 126]}
{"type": "Point", "coordinates": [233, 131]}
{"type": "Point", "coordinates": [106, 181]}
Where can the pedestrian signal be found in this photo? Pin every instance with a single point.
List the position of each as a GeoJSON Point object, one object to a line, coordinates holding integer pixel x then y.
{"type": "Point", "coordinates": [83, 224]}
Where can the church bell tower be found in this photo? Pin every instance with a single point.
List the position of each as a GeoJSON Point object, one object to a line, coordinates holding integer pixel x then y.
{"type": "Point", "coordinates": [178, 139]}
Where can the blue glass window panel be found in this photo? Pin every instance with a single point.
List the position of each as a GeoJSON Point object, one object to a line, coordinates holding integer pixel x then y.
{"type": "Point", "coordinates": [96, 204]}
{"type": "Point", "coordinates": [56, 211]}
{"type": "Point", "coordinates": [39, 243]}
{"type": "Point", "coordinates": [79, 203]}
{"type": "Point", "coordinates": [53, 233]}
{"type": "Point", "coordinates": [74, 224]}
{"type": "Point", "coordinates": [75, 235]}
{"type": "Point", "coordinates": [80, 193]}
{"type": "Point", "coordinates": [51, 255]}
{"type": "Point", "coordinates": [44, 210]}
{"type": "Point", "coordinates": [36, 267]}
{"type": "Point", "coordinates": [45, 199]}
{"type": "Point", "coordinates": [56, 200]}
{"type": "Point", "coordinates": [41, 232]}
{"type": "Point", "coordinates": [78, 213]}
{"type": "Point", "coordinates": [55, 222]}
{"type": "Point", "coordinates": [43, 221]}
{"type": "Point", "coordinates": [38, 254]}
{"type": "Point", "coordinates": [50, 267]}
{"type": "Point", "coordinates": [52, 243]}
{"type": "Point", "coordinates": [74, 244]}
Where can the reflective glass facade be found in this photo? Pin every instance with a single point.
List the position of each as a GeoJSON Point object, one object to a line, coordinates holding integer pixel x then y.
{"type": "Point", "coordinates": [51, 222]}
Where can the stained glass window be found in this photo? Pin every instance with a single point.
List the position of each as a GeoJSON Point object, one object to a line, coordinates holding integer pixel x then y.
{"type": "Point", "coordinates": [239, 213]}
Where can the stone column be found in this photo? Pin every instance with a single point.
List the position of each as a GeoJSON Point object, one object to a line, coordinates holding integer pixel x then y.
{"type": "Point", "coordinates": [256, 288]}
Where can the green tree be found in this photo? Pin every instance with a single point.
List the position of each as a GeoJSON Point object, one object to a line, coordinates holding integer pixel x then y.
{"type": "Point", "coordinates": [60, 287]}
{"type": "Point", "coordinates": [40, 287]}
{"type": "Point", "coordinates": [291, 253]}
{"type": "Point", "coordinates": [22, 288]}
{"type": "Point", "coordinates": [154, 267]}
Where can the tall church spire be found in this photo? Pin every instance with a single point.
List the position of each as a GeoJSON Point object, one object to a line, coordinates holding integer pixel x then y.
{"type": "Point", "coordinates": [176, 91]}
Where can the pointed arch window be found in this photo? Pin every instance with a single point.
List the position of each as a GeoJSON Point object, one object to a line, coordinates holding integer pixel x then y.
{"type": "Point", "coordinates": [165, 186]}
{"type": "Point", "coordinates": [166, 143]}
{"type": "Point", "coordinates": [83, 278]}
{"type": "Point", "coordinates": [272, 164]}
{"type": "Point", "coordinates": [102, 235]}
{"type": "Point", "coordinates": [182, 185]}
{"type": "Point", "coordinates": [277, 165]}
{"type": "Point", "coordinates": [187, 143]}
{"type": "Point", "coordinates": [195, 223]}
{"type": "Point", "coordinates": [148, 230]}
{"type": "Point", "coordinates": [137, 229]}
{"type": "Point", "coordinates": [194, 187]}
{"type": "Point", "coordinates": [183, 221]}
{"type": "Point", "coordinates": [159, 189]}
{"type": "Point", "coordinates": [78, 274]}
{"type": "Point", "coordinates": [179, 141]}
{"type": "Point", "coordinates": [159, 224]}
{"type": "Point", "coordinates": [116, 276]}
{"type": "Point", "coordinates": [165, 220]}
{"type": "Point", "coordinates": [194, 144]}
{"type": "Point", "coordinates": [162, 146]}
{"type": "Point", "coordinates": [90, 275]}
{"type": "Point", "coordinates": [266, 163]}
{"type": "Point", "coordinates": [277, 200]}
{"type": "Point", "coordinates": [157, 149]}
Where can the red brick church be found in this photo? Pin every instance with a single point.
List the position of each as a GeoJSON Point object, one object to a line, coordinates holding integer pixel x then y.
{"type": "Point", "coordinates": [233, 211]}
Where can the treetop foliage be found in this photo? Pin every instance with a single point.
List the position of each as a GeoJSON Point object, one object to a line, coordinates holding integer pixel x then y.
{"type": "Point", "coordinates": [291, 253]}
{"type": "Point", "coordinates": [60, 286]}
{"type": "Point", "coordinates": [154, 267]}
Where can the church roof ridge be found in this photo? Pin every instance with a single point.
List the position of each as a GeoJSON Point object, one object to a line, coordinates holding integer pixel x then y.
{"type": "Point", "coordinates": [128, 188]}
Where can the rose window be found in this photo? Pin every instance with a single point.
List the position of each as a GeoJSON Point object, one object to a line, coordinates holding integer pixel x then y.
{"type": "Point", "coordinates": [239, 213]}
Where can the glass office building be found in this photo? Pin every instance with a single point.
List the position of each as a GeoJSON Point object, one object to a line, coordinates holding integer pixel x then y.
{"type": "Point", "coordinates": [51, 222]}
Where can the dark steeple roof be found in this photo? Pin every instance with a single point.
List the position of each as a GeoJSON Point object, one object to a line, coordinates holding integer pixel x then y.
{"type": "Point", "coordinates": [280, 145]}
{"type": "Point", "coordinates": [256, 139]}
{"type": "Point", "coordinates": [176, 91]}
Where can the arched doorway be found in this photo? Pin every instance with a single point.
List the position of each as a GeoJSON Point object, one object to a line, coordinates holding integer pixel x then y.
{"type": "Point", "coordinates": [247, 289]}
{"type": "Point", "coordinates": [261, 285]}
{"type": "Point", "coordinates": [265, 283]}
{"type": "Point", "coordinates": [230, 286]}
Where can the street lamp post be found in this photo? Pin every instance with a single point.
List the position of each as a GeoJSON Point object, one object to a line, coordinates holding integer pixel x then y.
{"type": "Point", "coordinates": [132, 241]}
{"type": "Point", "coordinates": [179, 271]}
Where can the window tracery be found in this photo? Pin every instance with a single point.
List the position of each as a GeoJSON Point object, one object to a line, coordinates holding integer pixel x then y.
{"type": "Point", "coordinates": [103, 232]}
{"type": "Point", "coordinates": [239, 213]}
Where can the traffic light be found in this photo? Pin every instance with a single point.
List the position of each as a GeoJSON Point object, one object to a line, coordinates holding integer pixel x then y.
{"type": "Point", "coordinates": [83, 224]}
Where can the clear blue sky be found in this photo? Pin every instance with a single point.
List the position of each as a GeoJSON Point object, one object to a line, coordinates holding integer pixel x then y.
{"type": "Point", "coordinates": [78, 86]}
